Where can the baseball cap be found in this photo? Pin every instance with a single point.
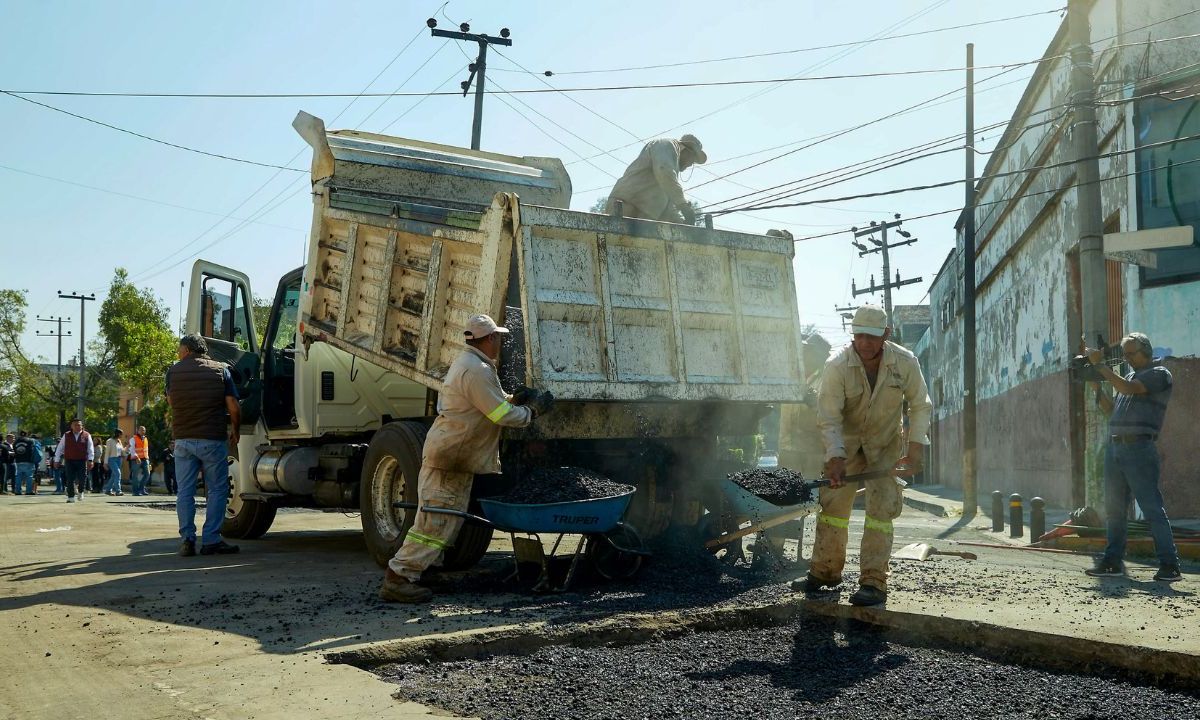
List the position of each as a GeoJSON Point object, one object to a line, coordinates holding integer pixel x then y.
{"type": "Point", "coordinates": [869, 319]}
{"type": "Point", "coordinates": [480, 326]}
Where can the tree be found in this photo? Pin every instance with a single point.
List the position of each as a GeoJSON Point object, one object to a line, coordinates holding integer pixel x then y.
{"type": "Point", "coordinates": [134, 323]}
{"type": "Point", "coordinates": [262, 313]}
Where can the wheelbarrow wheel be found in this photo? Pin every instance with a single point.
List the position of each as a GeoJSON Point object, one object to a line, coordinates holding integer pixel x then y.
{"type": "Point", "coordinates": [607, 553]}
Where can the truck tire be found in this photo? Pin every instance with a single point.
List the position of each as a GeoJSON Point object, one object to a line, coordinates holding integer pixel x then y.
{"type": "Point", "coordinates": [389, 474]}
{"type": "Point", "coordinates": [470, 545]}
{"type": "Point", "coordinates": [245, 519]}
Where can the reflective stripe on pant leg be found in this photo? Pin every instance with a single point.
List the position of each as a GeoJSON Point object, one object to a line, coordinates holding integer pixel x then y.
{"type": "Point", "coordinates": [883, 526]}
{"type": "Point", "coordinates": [425, 540]}
{"type": "Point", "coordinates": [832, 530]}
{"type": "Point", "coordinates": [837, 522]}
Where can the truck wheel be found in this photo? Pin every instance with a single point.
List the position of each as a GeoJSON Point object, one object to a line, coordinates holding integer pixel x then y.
{"type": "Point", "coordinates": [389, 474]}
{"type": "Point", "coordinates": [470, 545]}
{"type": "Point", "coordinates": [247, 519]}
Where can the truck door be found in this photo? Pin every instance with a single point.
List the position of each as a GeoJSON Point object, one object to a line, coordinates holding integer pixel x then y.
{"type": "Point", "coordinates": [219, 309]}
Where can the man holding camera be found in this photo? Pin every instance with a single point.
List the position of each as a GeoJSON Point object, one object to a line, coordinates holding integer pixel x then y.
{"type": "Point", "coordinates": [1131, 462]}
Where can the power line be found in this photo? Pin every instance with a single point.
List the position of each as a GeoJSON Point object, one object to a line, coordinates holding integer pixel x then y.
{"type": "Point", "coordinates": [1051, 191]}
{"type": "Point", "coordinates": [147, 137]}
{"type": "Point", "coordinates": [418, 103]}
{"type": "Point", "coordinates": [777, 53]}
{"type": "Point", "coordinates": [932, 186]}
{"type": "Point", "coordinates": [132, 197]}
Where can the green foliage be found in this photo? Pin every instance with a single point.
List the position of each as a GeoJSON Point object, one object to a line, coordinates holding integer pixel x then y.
{"type": "Point", "coordinates": [134, 322]}
{"type": "Point", "coordinates": [156, 417]}
{"type": "Point", "coordinates": [262, 313]}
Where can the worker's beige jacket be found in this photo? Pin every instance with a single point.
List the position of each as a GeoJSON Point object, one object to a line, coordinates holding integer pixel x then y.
{"type": "Point", "coordinates": [852, 417]}
{"type": "Point", "coordinates": [651, 182]}
{"type": "Point", "coordinates": [472, 408]}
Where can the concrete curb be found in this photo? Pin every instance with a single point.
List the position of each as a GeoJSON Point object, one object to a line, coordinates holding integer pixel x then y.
{"type": "Point", "coordinates": [931, 506]}
{"type": "Point", "coordinates": [1006, 644]}
{"type": "Point", "coordinates": [1136, 547]}
{"type": "Point", "coordinates": [1045, 650]}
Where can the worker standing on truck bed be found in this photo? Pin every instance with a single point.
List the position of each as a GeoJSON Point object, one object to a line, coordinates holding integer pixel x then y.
{"type": "Point", "coordinates": [650, 187]}
{"type": "Point", "coordinates": [859, 409]}
{"type": "Point", "coordinates": [463, 442]}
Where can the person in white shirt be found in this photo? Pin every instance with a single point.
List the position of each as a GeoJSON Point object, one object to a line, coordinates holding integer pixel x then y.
{"type": "Point", "coordinates": [114, 450]}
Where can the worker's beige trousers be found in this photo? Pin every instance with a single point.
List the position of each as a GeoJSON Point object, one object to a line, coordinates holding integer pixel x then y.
{"type": "Point", "coordinates": [432, 533]}
{"type": "Point", "coordinates": [884, 503]}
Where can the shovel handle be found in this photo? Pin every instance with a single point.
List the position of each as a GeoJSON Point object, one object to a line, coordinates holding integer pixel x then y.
{"type": "Point", "coordinates": [860, 477]}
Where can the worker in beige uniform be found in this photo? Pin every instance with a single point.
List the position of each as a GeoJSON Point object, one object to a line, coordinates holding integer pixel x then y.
{"type": "Point", "coordinates": [860, 405]}
{"type": "Point", "coordinates": [463, 442]}
{"type": "Point", "coordinates": [650, 187]}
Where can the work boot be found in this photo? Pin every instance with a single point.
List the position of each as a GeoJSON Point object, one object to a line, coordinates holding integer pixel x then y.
{"type": "Point", "coordinates": [866, 596]}
{"type": "Point", "coordinates": [1168, 573]}
{"type": "Point", "coordinates": [219, 548]}
{"type": "Point", "coordinates": [187, 549]}
{"type": "Point", "coordinates": [812, 584]}
{"type": "Point", "coordinates": [397, 588]}
{"type": "Point", "coordinates": [1106, 568]}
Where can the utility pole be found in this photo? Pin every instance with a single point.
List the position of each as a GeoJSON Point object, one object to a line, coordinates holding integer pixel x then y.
{"type": "Point", "coordinates": [1088, 215]}
{"type": "Point", "coordinates": [882, 246]}
{"type": "Point", "coordinates": [477, 68]}
{"type": "Point", "coordinates": [83, 299]}
{"type": "Point", "coordinates": [969, 480]}
{"type": "Point", "coordinates": [62, 424]}
{"type": "Point", "coordinates": [846, 313]}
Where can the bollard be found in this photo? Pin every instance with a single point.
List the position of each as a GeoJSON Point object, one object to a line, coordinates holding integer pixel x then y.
{"type": "Point", "coordinates": [1037, 519]}
{"type": "Point", "coordinates": [997, 511]}
{"type": "Point", "coordinates": [1016, 517]}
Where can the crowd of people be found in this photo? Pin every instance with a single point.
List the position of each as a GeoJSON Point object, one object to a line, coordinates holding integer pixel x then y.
{"type": "Point", "coordinates": [79, 463]}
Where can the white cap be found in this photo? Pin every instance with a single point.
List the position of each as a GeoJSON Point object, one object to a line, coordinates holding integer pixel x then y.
{"type": "Point", "coordinates": [869, 319]}
{"type": "Point", "coordinates": [480, 326]}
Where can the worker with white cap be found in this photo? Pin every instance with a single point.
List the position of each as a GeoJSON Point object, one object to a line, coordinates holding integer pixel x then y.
{"type": "Point", "coordinates": [650, 187]}
{"type": "Point", "coordinates": [860, 407]}
{"type": "Point", "coordinates": [463, 442]}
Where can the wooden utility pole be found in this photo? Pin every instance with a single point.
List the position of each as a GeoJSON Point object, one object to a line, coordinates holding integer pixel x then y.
{"type": "Point", "coordinates": [477, 68]}
{"type": "Point", "coordinates": [882, 247]}
{"type": "Point", "coordinates": [970, 485]}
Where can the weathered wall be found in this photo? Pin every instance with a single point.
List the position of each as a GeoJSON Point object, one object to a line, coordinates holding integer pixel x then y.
{"type": "Point", "coordinates": [1179, 443]}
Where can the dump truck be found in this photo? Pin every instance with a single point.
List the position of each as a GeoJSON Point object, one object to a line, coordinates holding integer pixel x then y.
{"type": "Point", "coordinates": [655, 338]}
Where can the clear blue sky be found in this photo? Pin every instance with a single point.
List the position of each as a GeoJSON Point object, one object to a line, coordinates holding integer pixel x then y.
{"type": "Point", "coordinates": [62, 236]}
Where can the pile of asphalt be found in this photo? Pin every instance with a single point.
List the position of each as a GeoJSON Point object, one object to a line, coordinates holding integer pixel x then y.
{"type": "Point", "coordinates": [805, 669]}
{"type": "Point", "coordinates": [512, 353]}
{"type": "Point", "coordinates": [778, 486]}
{"type": "Point", "coordinates": [562, 484]}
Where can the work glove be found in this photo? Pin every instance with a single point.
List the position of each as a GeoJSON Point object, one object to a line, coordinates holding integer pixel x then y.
{"type": "Point", "coordinates": [688, 213]}
{"type": "Point", "coordinates": [523, 395]}
{"type": "Point", "coordinates": [541, 402]}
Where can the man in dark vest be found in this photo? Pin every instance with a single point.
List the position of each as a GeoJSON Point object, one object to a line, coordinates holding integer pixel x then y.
{"type": "Point", "coordinates": [200, 391]}
{"type": "Point", "coordinates": [27, 453]}
{"type": "Point", "coordinates": [75, 454]}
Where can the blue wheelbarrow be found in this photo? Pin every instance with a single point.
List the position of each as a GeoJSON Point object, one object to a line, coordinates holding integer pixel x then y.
{"type": "Point", "coordinates": [613, 548]}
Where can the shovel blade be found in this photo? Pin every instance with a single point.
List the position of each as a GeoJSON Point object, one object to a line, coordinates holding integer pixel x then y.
{"type": "Point", "coordinates": [914, 551]}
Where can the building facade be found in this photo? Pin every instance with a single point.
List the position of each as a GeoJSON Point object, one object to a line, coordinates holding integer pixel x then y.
{"type": "Point", "coordinates": [1038, 432]}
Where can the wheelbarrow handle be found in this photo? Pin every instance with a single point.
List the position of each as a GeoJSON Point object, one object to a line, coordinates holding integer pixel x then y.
{"type": "Point", "coordinates": [860, 477]}
{"type": "Point", "coordinates": [445, 511]}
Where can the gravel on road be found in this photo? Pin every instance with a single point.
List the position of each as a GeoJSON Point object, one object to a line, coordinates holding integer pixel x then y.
{"type": "Point", "coordinates": [806, 669]}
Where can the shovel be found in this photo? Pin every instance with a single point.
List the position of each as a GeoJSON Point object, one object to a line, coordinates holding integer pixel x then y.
{"type": "Point", "coordinates": [923, 551]}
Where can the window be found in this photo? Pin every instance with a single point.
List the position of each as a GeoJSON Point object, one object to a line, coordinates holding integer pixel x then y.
{"type": "Point", "coordinates": [1168, 181]}
{"type": "Point", "coordinates": [285, 334]}
{"type": "Point", "coordinates": [131, 407]}
{"type": "Point", "coordinates": [225, 312]}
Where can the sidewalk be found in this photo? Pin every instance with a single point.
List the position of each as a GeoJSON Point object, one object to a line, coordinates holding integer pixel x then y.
{"type": "Point", "coordinates": [947, 502]}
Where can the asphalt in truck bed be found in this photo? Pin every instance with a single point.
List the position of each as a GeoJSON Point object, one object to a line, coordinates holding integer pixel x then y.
{"type": "Point", "coordinates": [805, 669]}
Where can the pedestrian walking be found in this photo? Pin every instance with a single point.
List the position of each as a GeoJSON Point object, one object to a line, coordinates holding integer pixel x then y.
{"type": "Point", "coordinates": [139, 462]}
{"type": "Point", "coordinates": [1131, 460]}
{"type": "Point", "coordinates": [203, 402]}
{"type": "Point", "coordinates": [169, 479]}
{"type": "Point", "coordinates": [464, 441]}
{"type": "Point", "coordinates": [76, 453]}
{"type": "Point", "coordinates": [860, 406]}
{"type": "Point", "coordinates": [53, 470]}
{"type": "Point", "coordinates": [98, 466]}
{"type": "Point", "coordinates": [650, 187]}
{"type": "Point", "coordinates": [27, 453]}
{"type": "Point", "coordinates": [8, 470]}
{"type": "Point", "coordinates": [114, 451]}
